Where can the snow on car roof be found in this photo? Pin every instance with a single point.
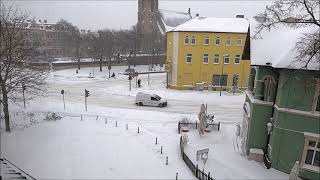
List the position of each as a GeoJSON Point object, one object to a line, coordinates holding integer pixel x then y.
{"type": "Point", "coordinates": [213, 24]}
{"type": "Point", "coordinates": [277, 47]}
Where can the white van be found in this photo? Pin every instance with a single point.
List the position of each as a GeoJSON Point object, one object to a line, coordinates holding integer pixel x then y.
{"type": "Point", "coordinates": [150, 100]}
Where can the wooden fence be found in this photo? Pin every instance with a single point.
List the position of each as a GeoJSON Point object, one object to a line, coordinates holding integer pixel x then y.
{"type": "Point", "coordinates": [201, 175]}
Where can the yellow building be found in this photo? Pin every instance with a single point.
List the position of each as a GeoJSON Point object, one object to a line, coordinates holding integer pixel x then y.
{"type": "Point", "coordinates": [210, 51]}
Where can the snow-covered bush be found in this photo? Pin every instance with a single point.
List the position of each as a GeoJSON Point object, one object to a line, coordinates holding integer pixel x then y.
{"type": "Point", "coordinates": [52, 117]}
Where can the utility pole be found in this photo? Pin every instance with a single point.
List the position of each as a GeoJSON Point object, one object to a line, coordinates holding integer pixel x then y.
{"type": "Point", "coordinates": [24, 99]}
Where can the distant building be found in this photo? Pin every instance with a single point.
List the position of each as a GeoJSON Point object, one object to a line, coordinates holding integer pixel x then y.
{"type": "Point", "coordinates": [208, 50]}
{"type": "Point", "coordinates": [282, 104]}
{"type": "Point", "coordinates": [48, 37]}
{"type": "Point", "coordinates": [153, 24]}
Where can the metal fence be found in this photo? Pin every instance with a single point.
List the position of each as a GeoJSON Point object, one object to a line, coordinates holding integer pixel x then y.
{"type": "Point", "coordinates": [195, 125]}
{"type": "Point", "coordinates": [201, 175]}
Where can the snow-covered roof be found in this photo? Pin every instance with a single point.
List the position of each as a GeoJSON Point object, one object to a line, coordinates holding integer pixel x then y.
{"type": "Point", "coordinates": [213, 24]}
{"type": "Point", "coordinates": [173, 18]}
{"type": "Point", "coordinates": [170, 19]}
{"type": "Point", "coordinates": [277, 47]}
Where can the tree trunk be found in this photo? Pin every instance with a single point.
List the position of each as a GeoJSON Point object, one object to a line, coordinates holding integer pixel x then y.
{"type": "Point", "coordinates": [100, 64]}
{"type": "Point", "coordinates": [5, 107]}
{"type": "Point", "coordinates": [78, 63]}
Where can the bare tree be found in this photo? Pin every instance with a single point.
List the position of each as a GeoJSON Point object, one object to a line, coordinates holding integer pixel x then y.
{"type": "Point", "coordinates": [16, 48]}
{"type": "Point", "coordinates": [295, 14]}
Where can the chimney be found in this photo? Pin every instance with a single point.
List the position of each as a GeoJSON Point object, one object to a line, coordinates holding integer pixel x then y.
{"type": "Point", "coordinates": [240, 16]}
{"type": "Point", "coordinates": [45, 21]}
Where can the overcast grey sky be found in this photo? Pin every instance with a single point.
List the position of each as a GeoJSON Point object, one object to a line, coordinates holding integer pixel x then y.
{"type": "Point", "coordinates": [101, 14]}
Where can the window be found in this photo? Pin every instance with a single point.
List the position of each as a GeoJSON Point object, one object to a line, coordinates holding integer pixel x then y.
{"type": "Point", "coordinates": [193, 40]}
{"type": "Point", "coordinates": [311, 152]}
{"type": "Point", "coordinates": [189, 58]}
{"type": "Point", "coordinates": [205, 59]}
{"type": "Point", "coordinates": [186, 40]}
{"type": "Point", "coordinates": [217, 40]}
{"type": "Point", "coordinates": [316, 97]}
{"type": "Point", "coordinates": [206, 40]}
{"type": "Point", "coordinates": [268, 88]}
{"type": "Point", "coordinates": [216, 59]}
{"type": "Point", "coordinates": [220, 80]}
{"type": "Point", "coordinates": [237, 59]}
{"type": "Point", "coordinates": [228, 41]}
{"type": "Point", "coordinates": [226, 59]}
{"type": "Point", "coordinates": [239, 41]}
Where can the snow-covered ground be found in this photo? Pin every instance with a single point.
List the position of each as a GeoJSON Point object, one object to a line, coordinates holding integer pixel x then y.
{"type": "Point", "coordinates": [71, 148]}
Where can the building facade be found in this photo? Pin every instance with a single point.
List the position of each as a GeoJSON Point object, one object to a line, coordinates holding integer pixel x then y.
{"type": "Point", "coordinates": [48, 37]}
{"type": "Point", "coordinates": [210, 53]}
{"type": "Point", "coordinates": [282, 104]}
{"type": "Point", "coordinates": [289, 101]}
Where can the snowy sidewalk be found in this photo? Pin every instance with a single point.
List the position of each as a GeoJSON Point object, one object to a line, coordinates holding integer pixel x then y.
{"type": "Point", "coordinates": [224, 159]}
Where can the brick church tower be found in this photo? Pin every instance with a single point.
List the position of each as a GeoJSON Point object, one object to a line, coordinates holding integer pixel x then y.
{"type": "Point", "coordinates": [147, 27]}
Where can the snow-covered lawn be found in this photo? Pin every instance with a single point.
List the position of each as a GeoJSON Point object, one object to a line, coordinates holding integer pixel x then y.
{"type": "Point", "coordinates": [70, 148]}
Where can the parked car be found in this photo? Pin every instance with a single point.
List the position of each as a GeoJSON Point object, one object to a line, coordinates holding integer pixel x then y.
{"type": "Point", "coordinates": [129, 71]}
{"type": "Point", "coordinates": [143, 99]}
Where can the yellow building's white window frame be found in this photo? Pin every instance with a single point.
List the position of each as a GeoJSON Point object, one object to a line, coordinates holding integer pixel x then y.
{"type": "Point", "coordinates": [205, 56]}
{"type": "Point", "coordinates": [186, 40]}
{"type": "Point", "coordinates": [228, 42]}
{"type": "Point", "coordinates": [215, 57]}
{"type": "Point", "coordinates": [189, 55]}
{"type": "Point", "coordinates": [226, 56]}
{"type": "Point", "coordinates": [218, 41]}
{"type": "Point", "coordinates": [311, 148]}
{"type": "Point", "coordinates": [193, 40]}
{"type": "Point", "coordinates": [237, 56]}
{"type": "Point", "coordinates": [239, 41]}
{"type": "Point", "coordinates": [207, 38]}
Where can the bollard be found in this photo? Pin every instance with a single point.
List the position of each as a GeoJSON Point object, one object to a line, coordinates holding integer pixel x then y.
{"type": "Point", "coordinates": [161, 150]}
{"type": "Point", "coordinates": [156, 140]}
{"type": "Point", "coordinates": [81, 117]}
{"type": "Point", "coordinates": [138, 130]}
{"type": "Point", "coordinates": [208, 175]}
{"type": "Point", "coordinates": [177, 176]}
{"type": "Point", "coordinates": [196, 125]}
{"type": "Point", "coordinates": [97, 117]}
{"type": "Point", "coordinates": [167, 160]}
{"type": "Point", "coordinates": [127, 126]}
{"type": "Point", "coordinates": [116, 123]}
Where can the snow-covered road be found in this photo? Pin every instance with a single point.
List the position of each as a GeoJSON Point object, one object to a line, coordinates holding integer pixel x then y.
{"type": "Point", "coordinates": [91, 148]}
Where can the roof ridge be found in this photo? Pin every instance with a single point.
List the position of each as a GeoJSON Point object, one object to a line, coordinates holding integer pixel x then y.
{"type": "Point", "coordinates": [174, 11]}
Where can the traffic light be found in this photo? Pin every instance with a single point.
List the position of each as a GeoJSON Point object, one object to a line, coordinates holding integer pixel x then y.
{"type": "Point", "coordinates": [62, 91]}
{"type": "Point", "coordinates": [130, 77]}
{"type": "Point", "coordinates": [86, 93]}
{"type": "Point", "coordinates": [24, 87]}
